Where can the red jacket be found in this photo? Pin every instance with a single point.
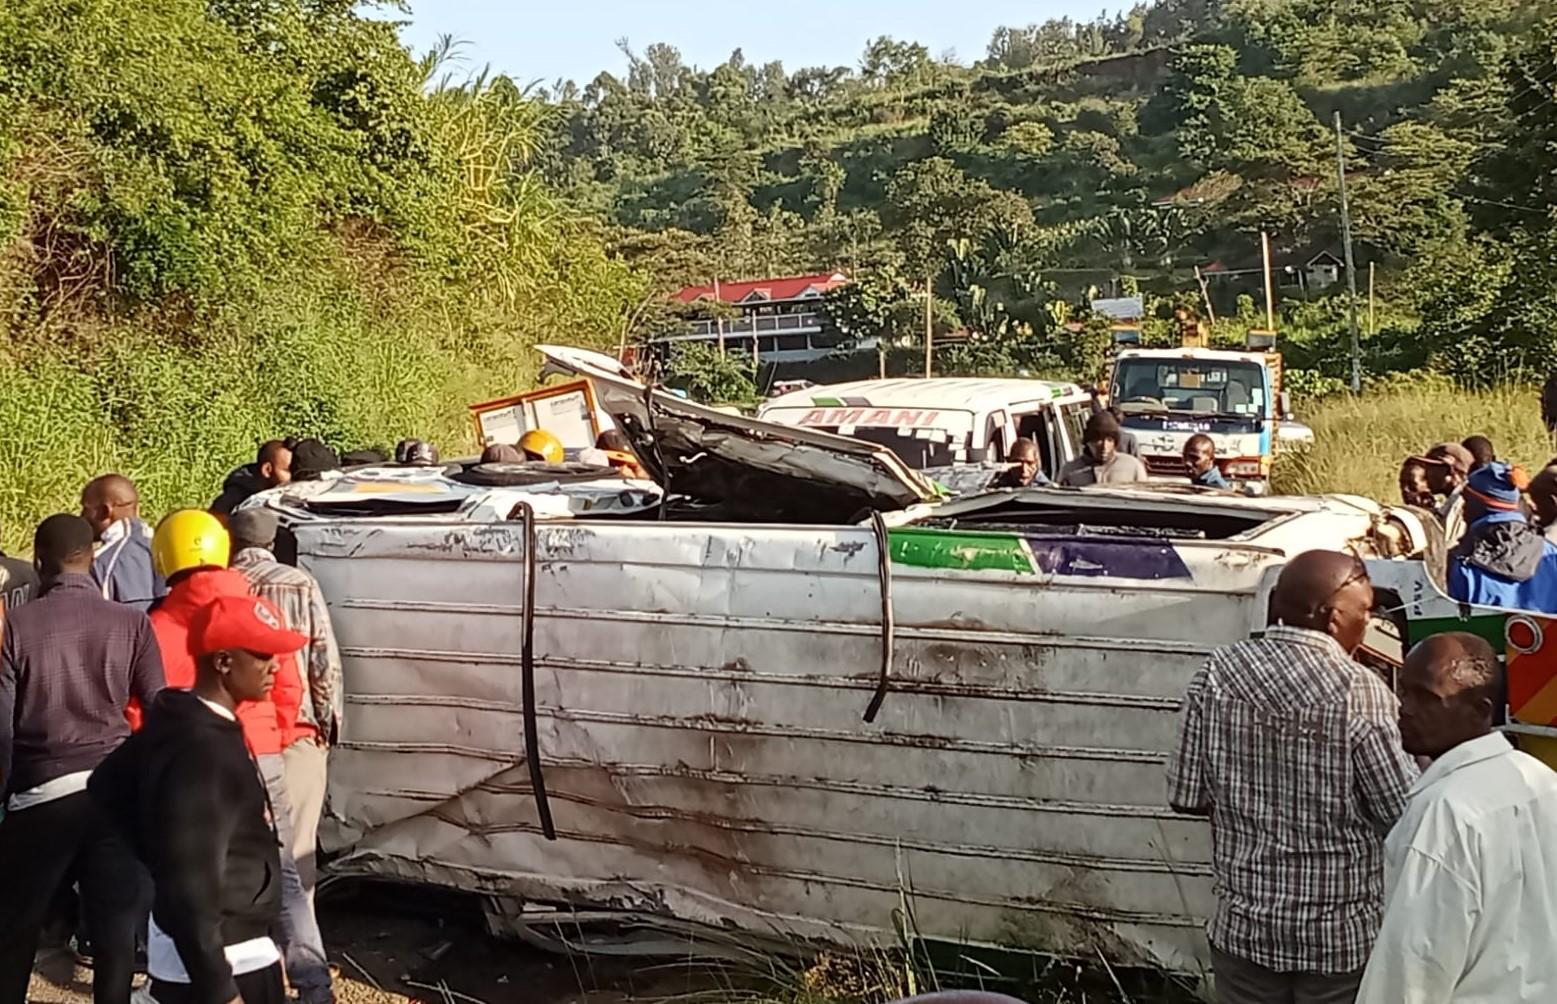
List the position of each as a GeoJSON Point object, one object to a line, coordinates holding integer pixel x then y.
{"type": "Point", "coordinates": [266, 724]}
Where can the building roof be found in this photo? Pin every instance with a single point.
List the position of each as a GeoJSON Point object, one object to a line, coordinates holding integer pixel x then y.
{"type": "Point", "coordinates": [940, 394]}
{"type": "Point", "coordinates": [792, 287]}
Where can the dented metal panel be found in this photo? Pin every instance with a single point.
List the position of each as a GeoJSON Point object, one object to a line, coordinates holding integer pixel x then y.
{"type": "Point", "coordinates": [700, 692]}
{"type": "Point", "coordinates": [760, 468]}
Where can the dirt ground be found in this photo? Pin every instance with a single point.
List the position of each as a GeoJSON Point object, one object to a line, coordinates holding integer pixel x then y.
{"type": "Point", "coordinates": [394, 946]}
{"type": "Point", "coordinates": [397, 945]}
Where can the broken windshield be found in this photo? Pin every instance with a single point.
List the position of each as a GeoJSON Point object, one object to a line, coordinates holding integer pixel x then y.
{"type": "Point", "coordinates": [1205, 387]}
{"type": "Point", "coordinates": [918, 449]}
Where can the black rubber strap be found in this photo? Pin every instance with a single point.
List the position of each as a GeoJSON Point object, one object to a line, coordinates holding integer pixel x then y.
{"type": "Point", "coordinates": [888, 626]}
{"type": "Point", "coordinates": [532, 742]}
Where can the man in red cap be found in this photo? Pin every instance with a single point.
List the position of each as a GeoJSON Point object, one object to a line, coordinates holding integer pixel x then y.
{"type": "Point", "coordinates": [191, 549]}
{"type": "Point", "coordinates": [188, 795]}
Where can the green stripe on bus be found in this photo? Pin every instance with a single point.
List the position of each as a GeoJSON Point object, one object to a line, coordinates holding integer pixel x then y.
{"type": "Point", "coordinates": [1486, 625]}
{"type": "Point", "coordinates": [960, 550]}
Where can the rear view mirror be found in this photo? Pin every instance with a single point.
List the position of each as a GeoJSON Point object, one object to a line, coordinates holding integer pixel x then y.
{"type": "Point", "coordinates": [1285, 401]}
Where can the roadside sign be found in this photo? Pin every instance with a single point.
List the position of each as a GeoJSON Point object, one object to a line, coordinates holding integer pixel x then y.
{"type": "Point", "coordinates": [1122, 308]}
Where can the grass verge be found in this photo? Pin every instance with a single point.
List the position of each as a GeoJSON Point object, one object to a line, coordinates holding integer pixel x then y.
{"type": "Point", "coordinates": [1359, 442]}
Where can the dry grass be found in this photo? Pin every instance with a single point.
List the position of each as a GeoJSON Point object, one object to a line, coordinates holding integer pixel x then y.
{"type": "Point", "coordinates": [1360, 441]}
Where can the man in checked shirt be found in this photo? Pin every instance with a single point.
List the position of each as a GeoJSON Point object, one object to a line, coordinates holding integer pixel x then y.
{"type": "Point", "coordinates": [1293, 750]}
{"type": "Point", "coordinates": [301, 602]}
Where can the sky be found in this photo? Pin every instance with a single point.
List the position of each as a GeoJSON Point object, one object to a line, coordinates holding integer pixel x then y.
{"type": "Point", "coordinates": [546, 40]}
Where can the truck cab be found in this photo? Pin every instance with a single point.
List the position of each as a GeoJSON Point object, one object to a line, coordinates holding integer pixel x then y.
{"type": "Point", "coordinates": [1165, 396]}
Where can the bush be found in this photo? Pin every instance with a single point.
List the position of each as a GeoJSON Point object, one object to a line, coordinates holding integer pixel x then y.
{"type": "Point", "coordinates": [711, 377]}
{"type": "Point", "coordinates": [224, 222]}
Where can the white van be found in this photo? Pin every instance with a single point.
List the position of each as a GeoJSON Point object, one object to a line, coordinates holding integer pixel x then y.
{"type": "Point", "coordinates": [946, 420]}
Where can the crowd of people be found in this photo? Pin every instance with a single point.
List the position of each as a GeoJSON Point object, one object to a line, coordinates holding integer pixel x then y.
{"type": "Point", "coordinates": [169, 697]}
{"type": "Point", "coordinates": [1366, 847]}
{"type": "Point", "coordinates": [1499, 523]}
{"type": "Point", "coordinates": [168, 701]}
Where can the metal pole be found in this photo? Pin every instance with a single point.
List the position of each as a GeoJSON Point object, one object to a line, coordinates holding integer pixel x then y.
{"type": "Point", "coordinates": [1205, 294]}
{"type": "Point", "coordinates": [1270, 283]}
{"type": "Point", "coordinates": [1346, 243]}
{"type": "Point", "coordinates": [929, 334]}
{"type": "Point", "coordinates": [719, 316]}
{"type": "Point", "coordinates": [1373, 327]}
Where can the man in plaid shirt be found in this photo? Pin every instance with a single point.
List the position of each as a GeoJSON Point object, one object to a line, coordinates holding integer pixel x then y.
{"type": "Point", "coordinates": [1293, 751]}
{"type": "Point", "coordinates": [297, 595]}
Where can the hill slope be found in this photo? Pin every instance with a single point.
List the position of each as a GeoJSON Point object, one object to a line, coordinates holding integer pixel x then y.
{"type": "Point", "coordinates": [1076, 154]}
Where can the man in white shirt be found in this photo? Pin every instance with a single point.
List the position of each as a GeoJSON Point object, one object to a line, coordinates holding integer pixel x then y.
{"type": "Point", "coordinates": [1471, 868]}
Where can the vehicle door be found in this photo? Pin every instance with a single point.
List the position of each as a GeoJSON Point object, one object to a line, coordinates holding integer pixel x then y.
{"type": "Point", "coordinates": [1040, 423]}
{"type": "Point", "coordinates": [999, 436]}
{"type": "Point", "coordinates": [1073, 420]}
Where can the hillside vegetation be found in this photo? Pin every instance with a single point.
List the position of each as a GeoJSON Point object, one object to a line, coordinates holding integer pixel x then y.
{"type": "Point", "coordinates": [1110, 156]}
{"type": "Point", "coordinates": [226, 220]}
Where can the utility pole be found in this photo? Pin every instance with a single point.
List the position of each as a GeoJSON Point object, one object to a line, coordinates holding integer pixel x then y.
{"type": "Point", "coordinates": [1270, 284]}
{"type": "Point", "coordinates": [929, 332]}
{"type": "Point", "coordinates": [1346, 243]}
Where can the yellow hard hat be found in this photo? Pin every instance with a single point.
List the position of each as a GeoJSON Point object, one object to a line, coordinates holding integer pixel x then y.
{"type": "Point", "coordinates": [187, 539]}
{"type": "Point", "coordinates": [538, 444]}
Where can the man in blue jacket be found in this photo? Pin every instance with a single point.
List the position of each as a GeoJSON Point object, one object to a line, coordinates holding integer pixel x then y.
{"type": "Point", "coordinates": [1502, 561]}
{"type": "Point", "coordinates": [122, 568]}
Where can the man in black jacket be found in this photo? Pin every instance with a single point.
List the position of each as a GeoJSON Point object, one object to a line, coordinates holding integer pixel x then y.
{"type": "Point", "coordinates": [272, 466]}
{"type": "Point", "coordinates": [69, 663]}
{"type": "Point", "coordinates": [189, 796]}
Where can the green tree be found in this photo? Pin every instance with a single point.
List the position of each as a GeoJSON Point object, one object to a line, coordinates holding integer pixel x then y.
{"type": "Point", "coordinates": [1029, 140]}
{"type": "Point", "coordinates": [1520, 170]}
{"type": "Point", "coordinates": [1191, 99]}
{"type": "Point", "coordinates": [866, 308]}
{"type": "Point", "coordinates": [931, 202]}
{"type": "Point", "coordinates": [953, 128]}
{"type": "Point", "coordinates": [889, 63]}
{"type": "Point", "coordinates": [711, 377]}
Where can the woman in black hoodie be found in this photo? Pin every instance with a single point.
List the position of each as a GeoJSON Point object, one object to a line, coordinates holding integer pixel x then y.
{"type": "Point", "coordinates": [190, 799]}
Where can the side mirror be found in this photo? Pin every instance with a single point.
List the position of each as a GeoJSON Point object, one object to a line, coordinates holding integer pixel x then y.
{"type": "Point", "coordinates": [1285, 401]}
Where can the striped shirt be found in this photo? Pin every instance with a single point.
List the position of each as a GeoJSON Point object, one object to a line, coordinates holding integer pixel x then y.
{"type": "Point", "coordinates": [1294, 751]}
{"type": "Point", "coordinates": [302, 603]}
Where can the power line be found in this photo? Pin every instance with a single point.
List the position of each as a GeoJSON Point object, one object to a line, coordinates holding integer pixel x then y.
{"type": "Point", "coordinates": [1503, 205]}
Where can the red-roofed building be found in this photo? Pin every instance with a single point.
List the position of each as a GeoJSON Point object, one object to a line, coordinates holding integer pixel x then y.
{"type": "Point", "coordinates": [793, 287]}
{"type": "Point", "coordinates": [780, 316]}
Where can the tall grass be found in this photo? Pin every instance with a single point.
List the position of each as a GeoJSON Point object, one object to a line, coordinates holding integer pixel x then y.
{"type": "Point", "coordinates": [1360, 441]}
